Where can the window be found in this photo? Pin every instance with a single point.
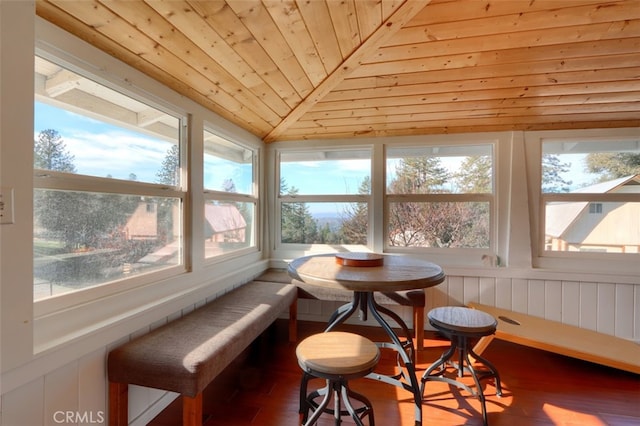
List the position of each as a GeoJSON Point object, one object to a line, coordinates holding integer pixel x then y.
{"type": "Point", "coordinates": [440, 197]}
{"type": "Point", "coordinates": [595, 208]}
{"type": "Point", "coordinates": [590, 197]}
{"type": "Point", "coordinates": [230, 208]}
{"type": "Point", "coordinates": [108, 184]}
{"type": "Point", "coordinates": [324, 196]}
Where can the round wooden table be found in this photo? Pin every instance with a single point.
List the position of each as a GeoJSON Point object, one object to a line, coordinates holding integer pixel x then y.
{"type": "Point", "coordinates": [364, 274]}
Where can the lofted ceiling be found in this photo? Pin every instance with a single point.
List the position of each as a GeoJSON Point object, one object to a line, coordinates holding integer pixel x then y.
{"type": "Point", "coordinates": [318, 69]}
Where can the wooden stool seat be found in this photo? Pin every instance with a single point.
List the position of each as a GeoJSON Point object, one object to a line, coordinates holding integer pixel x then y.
{"type": "Point", "coordinates": [336, 357]}
{"type": "Point", "coordinates": [459, 324]}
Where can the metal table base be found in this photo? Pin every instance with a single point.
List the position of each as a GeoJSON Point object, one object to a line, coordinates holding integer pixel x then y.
{"type": "Point", "coordinates": [364, 302]}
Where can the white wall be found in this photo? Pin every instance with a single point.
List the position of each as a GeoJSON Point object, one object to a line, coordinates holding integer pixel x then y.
{"type": "Point", "coordinates": [70, 377]}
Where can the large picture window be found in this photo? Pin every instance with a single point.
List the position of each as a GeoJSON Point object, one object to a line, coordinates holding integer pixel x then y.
{"type": "Point", "coordinates": [440, 197]}
{"type": "Point", "coordinates": [590, 197]}
{"type": "Point", "coordinates": [324, 196]}
{"type": "Point", "coordinates": [108, 184]}
{"type": "Point", "coordinates": [231, 200]}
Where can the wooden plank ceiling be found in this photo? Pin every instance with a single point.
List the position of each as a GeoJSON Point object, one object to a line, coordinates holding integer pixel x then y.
{"type": "Point", "coordinates": [317, 69]}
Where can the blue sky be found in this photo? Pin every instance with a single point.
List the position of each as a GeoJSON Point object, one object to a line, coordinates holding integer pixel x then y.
{"type": "Point", "coordinates": [101, 149]}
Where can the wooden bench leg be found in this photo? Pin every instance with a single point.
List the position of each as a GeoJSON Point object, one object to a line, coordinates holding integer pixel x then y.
{"type": "Point", "coordinates": [192, 410]}
{"type": "Point", "coordinates": [118, 404]}
{"type": "Point", "coordinates": [418, 326]}
{"type": "Point", "coordinates": [293, 321]}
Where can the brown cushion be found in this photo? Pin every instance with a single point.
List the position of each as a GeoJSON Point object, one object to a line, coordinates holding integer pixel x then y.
{"type": "Point", "coordinates": [185, 355]}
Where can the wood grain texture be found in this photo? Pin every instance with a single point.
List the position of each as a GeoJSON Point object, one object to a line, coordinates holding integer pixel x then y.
{"type": "Point", "coordinates": [327, 69]}
{"type": "Point", "coordinates": [563, 339]}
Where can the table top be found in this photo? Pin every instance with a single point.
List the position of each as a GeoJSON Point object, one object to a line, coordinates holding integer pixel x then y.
{"type": "Point", "coordinates": [395, 274]}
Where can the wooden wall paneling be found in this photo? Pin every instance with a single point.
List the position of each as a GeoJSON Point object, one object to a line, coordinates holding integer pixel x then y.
{"type": "Point", "coordinates": [455, 291]}
{"type": "Point", "coordinates": [404, 49]}
{"type": "Point", "coordinates": [470, 290]}
{"type": "Point", "coordinates": [294, 31]}
{"type": "Point", "coordinates": [520, 18]}
{"type": "Point", "coordinates": [24, 405]}
{"type": "Point", "coordinates": [446, 10]}
{"type": "Point", "coordinates": [114, 28]}
{"type": "Point", "coordinates": [536, 294]}
{"type": "Point", "coordinates": [589, 306]}
{"type": "Point", "coordinates": [504, 293]}
{"type": "Point", "coordinates": [553, 300]}
{"type": "Point", "coordinates": [487, 288]}
{"type": "Point", "coordinates": [437, 295]}
{"type": "Point", "coordinates": [92, 392]}
{"type": "Point", "coordinates": [636, 313]}
{"type": "Point", "coordinates": [60, 393]}
{"type": "Point", "coordinates": [196, 29]}
{"type": "Point", "coordinates": [624, 310]}
{"type": "Point", "coordinates": [606, 308]}
{"type": "Point", "coordinates": [520, 295]}
{"type": "Point", "coordinates": [228, 25]}
{"type": "Point", "coordinates": [369, 13]}
{"type": "Point", "coordinates": [190, 57]}
{"type": "Point", "coordinates": [423, 82]}
{"type": "Point", "coordinates": [570, 303]}
{"type": "Point", "coordinates": [322, 29]}
{"type": "Point", "coordinates": [345, 25]}
{"type": "Point", "coordinates": [265, 32]}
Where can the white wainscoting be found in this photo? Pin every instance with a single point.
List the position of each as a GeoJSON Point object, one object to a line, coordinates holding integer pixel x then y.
{"type": "Point", "coordinates": [80, 386]}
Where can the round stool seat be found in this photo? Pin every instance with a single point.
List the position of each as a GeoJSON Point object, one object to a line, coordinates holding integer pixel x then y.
{"type": "Point", "coordinates": [462, 320]}
{"type": "Point", "coordinates": [338, 353]}
{"type": "Point", "coordinates": [337, 357]}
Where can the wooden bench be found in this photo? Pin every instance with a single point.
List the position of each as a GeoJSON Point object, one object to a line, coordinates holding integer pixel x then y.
{"type": "Point", "coordinates": [413, 298]}
{"type": "Point", "coordinates": [562, 339]}
{"type": "Point", "coordinates": [185, 355]}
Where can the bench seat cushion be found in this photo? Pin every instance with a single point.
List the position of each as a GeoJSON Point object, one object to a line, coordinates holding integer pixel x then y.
{"type": "Point", "coordinates": [308, 291]}
{"type": "Point", "coordinates": [185, 355]}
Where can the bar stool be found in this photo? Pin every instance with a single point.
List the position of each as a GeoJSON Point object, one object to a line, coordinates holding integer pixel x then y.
{"type": "Point", "coordinates": [336, 357]}
{"type": "Point", "coordinates": [459, 324]}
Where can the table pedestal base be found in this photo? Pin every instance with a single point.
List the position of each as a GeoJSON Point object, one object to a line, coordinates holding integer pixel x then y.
{"type": "Point", "coordinates": [406, 378]}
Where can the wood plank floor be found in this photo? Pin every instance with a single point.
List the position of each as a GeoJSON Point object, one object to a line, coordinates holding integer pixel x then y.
{"type": "Point", "coordinates": [539, 388]}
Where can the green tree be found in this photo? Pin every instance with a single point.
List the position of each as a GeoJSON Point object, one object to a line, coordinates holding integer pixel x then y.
{"type": "Point", "coordinates": [80, 220]}
{"type": "Point", "coordinates": [355, 219]}
{"type": "Point", "coordinates": [475, 175]}
{"type": "Point", "coordinates": [419, 175]}
{"type": "Point", "coordinates": [613, 165]}
{"type": "Point", "coordinates": [50, 153]}
{"type": "Point", "coordinates": [552, 170]}
{"type": "Point", "coordinates": [436, 224]}
{"type": "Point", "coordinates": [169, 173]}
{"type": "Point", "coordinates": [297, 223]}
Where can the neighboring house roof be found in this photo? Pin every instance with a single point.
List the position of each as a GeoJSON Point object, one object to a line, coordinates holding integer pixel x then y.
{"type": "Point", "coordinates": [223, 217]}
{"type": "Point", "coordinates": [142, 222]}
{"type": "Point", "coordinates": [559, 216]}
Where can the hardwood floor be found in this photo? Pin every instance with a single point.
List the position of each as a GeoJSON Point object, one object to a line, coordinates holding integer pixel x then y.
{"type": "Point", "coordinates": [539, 388]}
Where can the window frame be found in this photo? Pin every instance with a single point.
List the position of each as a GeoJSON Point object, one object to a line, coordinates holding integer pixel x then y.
{"type": "Point", "coordinates": [254, 198]}
{"type": "Point", "coordinates": [319, 198]}
{"type": "Point", "coordinates": [584, 261]}
{"type": "Point", "coordinates": [55, 180]}
{"type": "Point", "coordinates": [477, 256]}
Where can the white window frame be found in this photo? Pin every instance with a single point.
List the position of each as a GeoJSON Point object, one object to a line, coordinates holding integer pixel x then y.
{"type": "Point", "coordinates": [583, 261]}
{"type": "Point", "coordinates": [51, 326]}
{"type": "Point", "coordinates": [253, 198]}
{"type": "Point", "coordinates": [457, 256]}
{"type": "Point", "coordinates": [328, 198]}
